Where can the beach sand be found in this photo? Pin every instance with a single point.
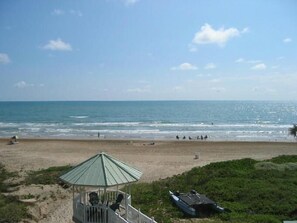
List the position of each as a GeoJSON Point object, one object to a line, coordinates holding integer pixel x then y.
{"type": "Point", "coordinates": [156, 160]}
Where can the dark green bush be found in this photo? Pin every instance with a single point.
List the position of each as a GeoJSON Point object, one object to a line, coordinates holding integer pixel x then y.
{"type": "Point", "coordinates": [46, 176]}
{"type": "Point", "coordinates": [252, 194]}
{"type": "Point", "coordinates": [11, 210]}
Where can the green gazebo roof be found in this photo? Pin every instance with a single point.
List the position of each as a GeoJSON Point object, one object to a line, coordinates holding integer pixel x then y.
{"type": "Point", "coordinates": [101, 170]}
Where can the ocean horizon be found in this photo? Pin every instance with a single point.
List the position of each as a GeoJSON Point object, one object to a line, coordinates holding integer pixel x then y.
{"type": "Point", "coordinates": [219, 120]}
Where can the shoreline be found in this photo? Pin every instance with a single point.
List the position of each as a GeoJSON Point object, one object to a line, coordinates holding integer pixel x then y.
{"type": "Point", "coordinates": [91, 139]}
{"type": "Point", "coordinates": [150, 156]}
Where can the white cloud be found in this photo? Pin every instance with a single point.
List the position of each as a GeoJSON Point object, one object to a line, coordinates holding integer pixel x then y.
{"type": "Point", "coordinates": [76, 12]}
{"type": "Point", "coordinates": [242, 60]}
{"type": "Point", "coordinates": [208, 35]}
{"type": "Point", "coordinates": [253, 61]}
{"type": "Point", "coordinates": [287, 40]}
{"type": "Point", "coordinates": [218, 89]}
{"type": "Point", "coordinates": [23, 84]}
{"type": "Point", "coordinates": [239, 60]}
{"type": "Point", "coordinates": [178, 88]}
{"type": "Point", "coordinates": [210, 66]}
{"type": "Point", "coordinates": [255, 89]}
{"type": "Point", "coordinates": [4, 58]}
{"type": "Point", "coordinates": [260, 66]}
{"type": "Point", "coordinates": [138, 90]}
{"type": "Point", "coordinates": [216, 80]}
{"type": "Point", "coordinates": [203, 75]}
{"type": "Point", "coordinates": [281, 58]}
{"type": "Point", "coordinates": [245, 30]}
{"type": "Point", "coordinates": [57, 45]}
{"type": "Point", "coordinates": [58, 12]}
{"type": "Point", "coordinates": [143, 82]}
{"type": "Point", "coordinates": [192, 48]}
{"type": "Point", "coordinates": [185, 66]}
{"type": "Point", "coordinates": [130, 2]}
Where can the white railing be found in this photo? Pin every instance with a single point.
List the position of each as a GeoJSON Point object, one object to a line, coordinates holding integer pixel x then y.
{"type": "Point", "coordinates": [83, 212]}
{"type": "Point", "coordinates": [136, 216]}
{"type": "Point", "coordinates": [78, 210]}
{"type": "Point", "coordinates": [114, 217]}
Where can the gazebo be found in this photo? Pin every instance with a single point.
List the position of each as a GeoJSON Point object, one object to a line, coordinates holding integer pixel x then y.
{"type": "Point", "coordinates": [96, 194]}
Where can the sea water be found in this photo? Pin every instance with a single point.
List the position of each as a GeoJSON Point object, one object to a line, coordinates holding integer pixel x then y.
{"type": "Point", "coordinates": [219, 120]}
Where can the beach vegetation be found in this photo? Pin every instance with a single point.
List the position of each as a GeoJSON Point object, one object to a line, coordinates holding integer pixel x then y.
{"type": "Point", "coordinates": [254, 191]}
{"type": "Point", "coordinates": [46, 176]}
{"type": "Point", "coordinates": [11, 209]}
{"type": "Point", "coordinates": [293, 130]}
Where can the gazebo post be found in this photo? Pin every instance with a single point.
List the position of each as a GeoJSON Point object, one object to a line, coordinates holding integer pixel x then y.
{"type": "Point", "coordinates": [130, 191]}
{"type": "Point", "coordinates": [126, 204]}
{"type": "Point", "coordinates": [85, 204]}
{"type": "Point", "coordinates": [104, 195]}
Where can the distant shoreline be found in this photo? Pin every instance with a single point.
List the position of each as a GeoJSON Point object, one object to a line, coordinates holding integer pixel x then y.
{"type": "Point", "coordinates": [90, 139]}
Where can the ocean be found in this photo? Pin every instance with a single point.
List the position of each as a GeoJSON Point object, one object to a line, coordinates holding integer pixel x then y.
{"type": "Point", "coordinates": [219, 120]}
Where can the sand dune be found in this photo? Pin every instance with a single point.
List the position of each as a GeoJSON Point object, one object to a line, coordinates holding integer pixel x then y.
{"type": "Point", "coordinates": [160, 160]}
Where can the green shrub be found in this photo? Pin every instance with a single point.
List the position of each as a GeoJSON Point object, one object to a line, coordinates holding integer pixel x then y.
{"type": "Point", "coordinates": [46, 176]}
{"type": "Point", "coordinates": [285, 159]}
{"type": "Point", "coordinates": [254, 191]}
{"type": "Point", "coordinates": [11, 210]}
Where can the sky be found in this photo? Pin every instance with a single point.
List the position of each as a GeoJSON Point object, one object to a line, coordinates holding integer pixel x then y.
{"type": "Point", "coordinates": [148, 50]}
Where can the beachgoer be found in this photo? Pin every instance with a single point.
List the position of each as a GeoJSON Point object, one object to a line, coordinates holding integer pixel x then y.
{"type": "Point", "coordinates": [190, 138]}
{"type": "Point", "coordinates": [201, 137]}
{"type": "Point", "coordinates": [98, 135]}
{"type": "Point", "coordinates": [184, 137]}
{"type": "Point", "coordinates": [177, 137]}
{"type": "Point", "coordinates": [205, 137]}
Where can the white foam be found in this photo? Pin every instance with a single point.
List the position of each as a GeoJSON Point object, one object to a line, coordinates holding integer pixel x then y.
{"type": "Point", "coordinates": [79, 116]}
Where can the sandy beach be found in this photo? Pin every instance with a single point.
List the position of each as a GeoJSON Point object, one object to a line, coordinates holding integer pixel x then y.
{"type": "Point", "coordinates": [156, 160]}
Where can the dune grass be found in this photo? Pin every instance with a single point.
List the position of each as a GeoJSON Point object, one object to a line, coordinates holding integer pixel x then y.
{"type": "Point", "coordinates": [46, 176]}
{"type": "Point", "coordinates": [254, 191]}
{"type": "Point", "coordinates": [11, 209]}
{"type": "Point", "coordinates": [251, 192]}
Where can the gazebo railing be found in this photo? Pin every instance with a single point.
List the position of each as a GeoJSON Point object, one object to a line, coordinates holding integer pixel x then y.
{"type": "Point", "coordinates": [91, 214]}
{"type": "Point", "coordinates": [84, 212]}
{"type": "Point", "coordinates": [78, 210]}
{"type": "Point", "coordinates": [115, 217]}
{"type": "Point", "coordinates": [136, 216]}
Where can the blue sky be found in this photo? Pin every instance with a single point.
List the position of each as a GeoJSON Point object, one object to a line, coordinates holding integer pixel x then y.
{"type": "Point", "coordinates": [148, 50]}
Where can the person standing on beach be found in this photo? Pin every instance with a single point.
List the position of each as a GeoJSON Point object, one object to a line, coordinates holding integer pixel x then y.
{"type": "Point", "coordinates": [98, 135]}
